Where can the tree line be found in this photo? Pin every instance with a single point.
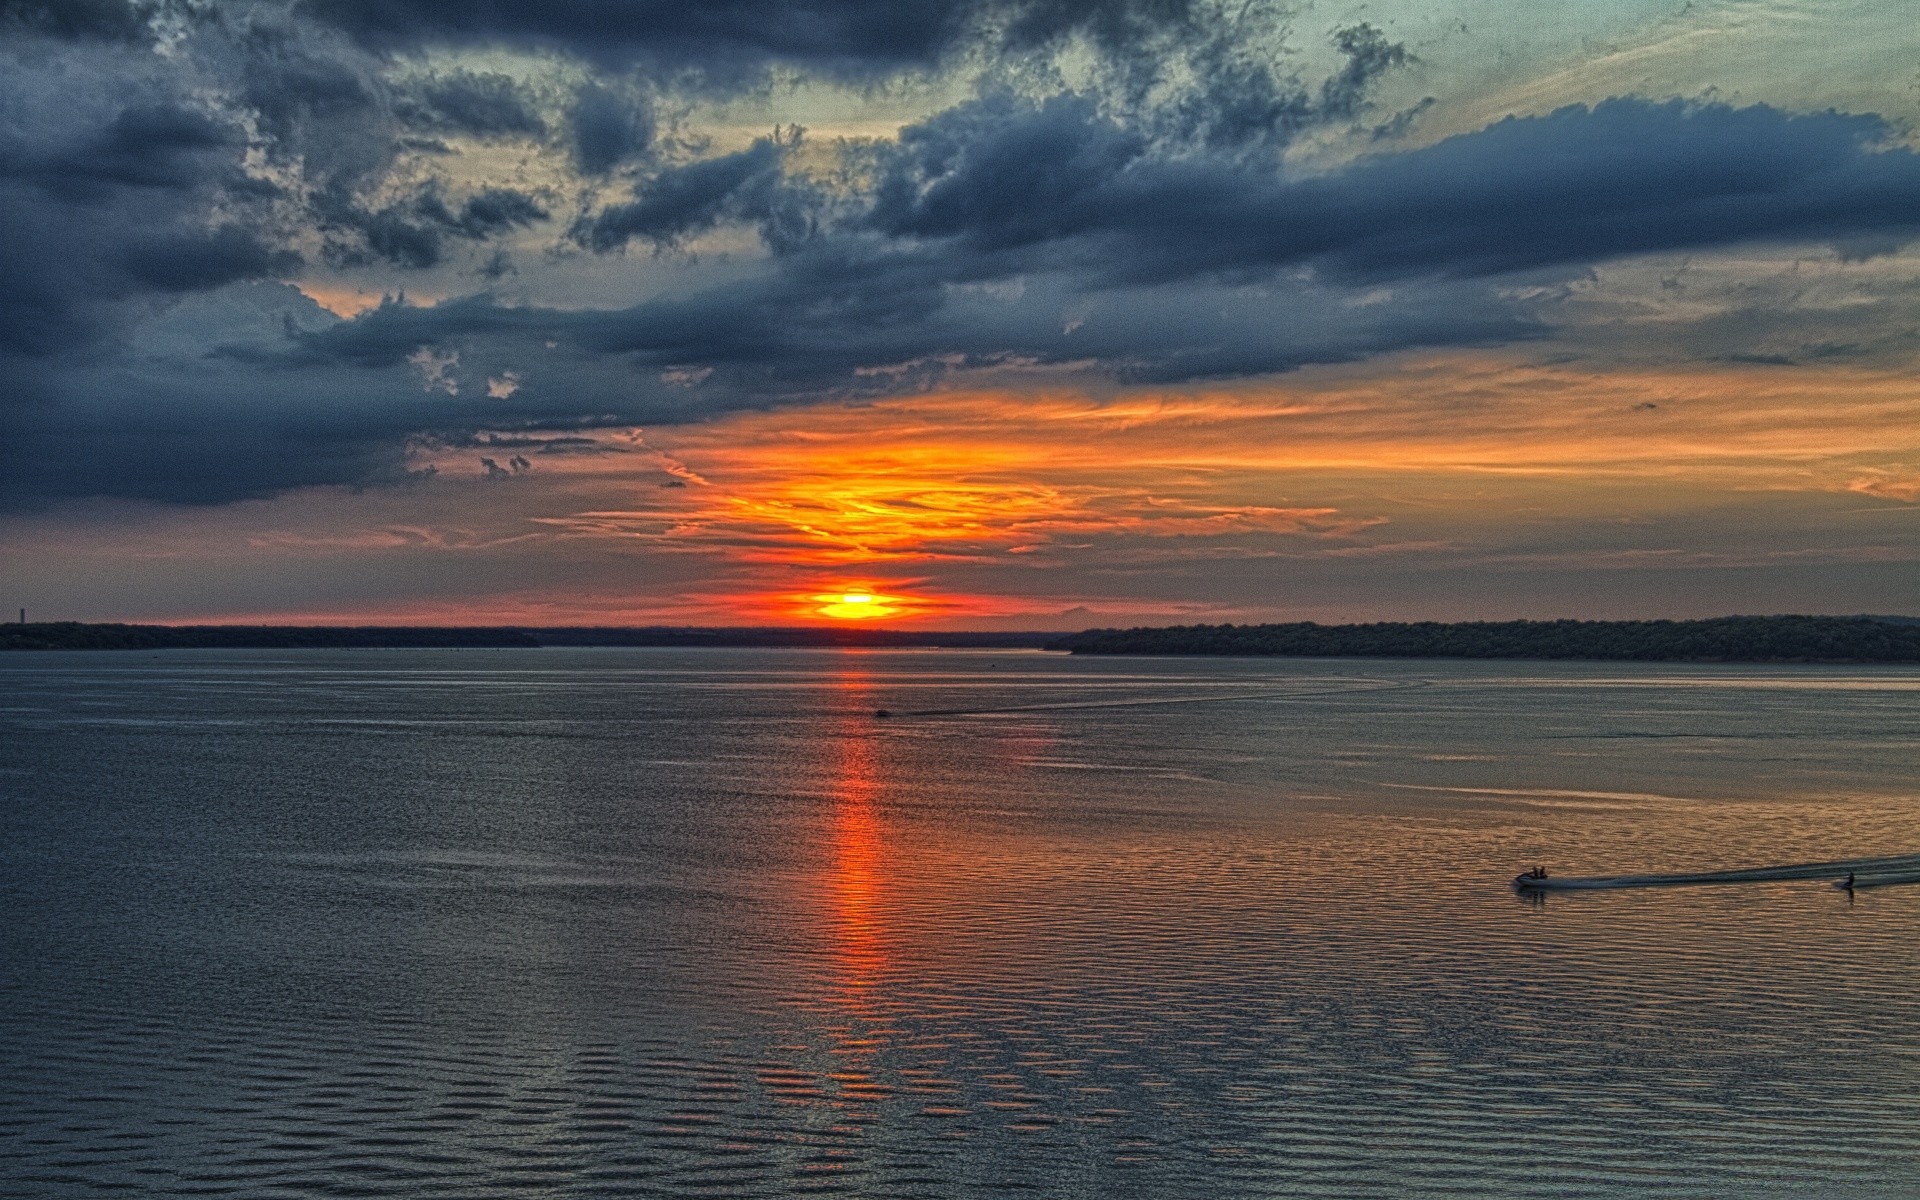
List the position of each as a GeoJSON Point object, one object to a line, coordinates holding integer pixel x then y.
{"type": "Point", "coordinates": [76, 635]}
{"type": "Point", "coordinates": [1719, 639]}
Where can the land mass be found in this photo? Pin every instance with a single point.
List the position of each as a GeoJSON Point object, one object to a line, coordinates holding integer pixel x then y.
{"type": "Point", "coordinates": [74, 635]}
{"type": "Point", "coordinates": [1865, 639]}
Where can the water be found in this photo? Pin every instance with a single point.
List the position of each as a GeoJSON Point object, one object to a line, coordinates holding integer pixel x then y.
{"type": "Point", "coordinates": [562, 923]}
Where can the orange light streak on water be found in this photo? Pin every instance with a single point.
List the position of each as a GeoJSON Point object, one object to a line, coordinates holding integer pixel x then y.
{"type": "Point", "coordinates": [859, 947]}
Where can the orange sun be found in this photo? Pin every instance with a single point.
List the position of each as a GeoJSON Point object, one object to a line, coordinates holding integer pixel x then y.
{"type": "Point", "coordinates": [854, 604]}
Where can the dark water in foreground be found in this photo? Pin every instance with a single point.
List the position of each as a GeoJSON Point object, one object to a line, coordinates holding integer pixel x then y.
{"type": "Point", "coordinates": [651, 922]}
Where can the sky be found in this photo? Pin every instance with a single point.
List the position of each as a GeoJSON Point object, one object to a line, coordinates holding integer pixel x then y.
{"type": "Point", "coordinates": [971, 314]}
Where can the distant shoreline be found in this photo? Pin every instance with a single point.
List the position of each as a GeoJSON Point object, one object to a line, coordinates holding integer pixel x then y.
{"type": "Point", "coordinates": [74, 635]}
{"type": "Point", "coordinates": [1776, 639]}
{"type": "Point", "coordinates": [1781, 639]}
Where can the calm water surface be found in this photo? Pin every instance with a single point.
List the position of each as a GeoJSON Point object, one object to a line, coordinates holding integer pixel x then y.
{"type": "Point", "coordinates": [652, 922]}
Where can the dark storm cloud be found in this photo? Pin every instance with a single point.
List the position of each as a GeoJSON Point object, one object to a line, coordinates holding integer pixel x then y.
{"type": "Point", "coordinates": [330, 116]}
{"type": "Point", "coordinates": [1584, 185]}
{"type": "Point", "coordinates": [480, 104]}
{"type": "Point", "coordinates": [1083, 215]}
{"type": "Point", "coordinates": [1369, 56]}
{"type": "Point", "coordinates": [130, 180]}
{"type": "Point", "coordinates": [194, 436]}
{"type": "Point", "coordinates": [193, 261]}
{"type": "Point", "coordinates": [161, 422]}
{"type": "Point", "coordinates": [1061, 180]}
{"type": "Point", "coordinates": [118, 163]}
{"type": "Point", "coordinates": [103, 20]}
{"type": "Point", "coordinates": [1143, 229]}
{"type": "Point", "coordinates": [414, 233]}
{"type": "Point", "coordinates": [160, 146]}
{"type": "Point", "coordinates": [725, 37]}
{"type": "Point", "coordinates": [495, 210]}
{"type": "Point", "coordinates": [691, 199]}
{"type": "Point", "coordinates": [836, 321]}
{"type": "Point", "coordinates": [111, 202]}
{"type": "Point", "coordinates": [609, 126]}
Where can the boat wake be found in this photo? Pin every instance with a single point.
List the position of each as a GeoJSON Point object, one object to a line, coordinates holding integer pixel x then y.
{"type": "Point", "coordinates": [1866, 873]}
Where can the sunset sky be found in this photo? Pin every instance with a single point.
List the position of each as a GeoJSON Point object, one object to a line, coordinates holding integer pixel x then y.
{"type": "Point", "coordinates": [983, 314]}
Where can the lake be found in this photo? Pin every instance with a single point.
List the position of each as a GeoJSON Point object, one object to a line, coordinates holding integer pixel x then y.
{"type": "Point", "coordinates": [648, 922]}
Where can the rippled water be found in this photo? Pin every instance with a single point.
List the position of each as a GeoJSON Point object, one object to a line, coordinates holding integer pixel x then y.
{"type": "Point", "coordinates": [648, 922]}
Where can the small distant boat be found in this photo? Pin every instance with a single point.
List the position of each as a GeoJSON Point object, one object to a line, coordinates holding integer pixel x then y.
{"type": "Point", "coordinates": [882, 713]}
{"type": "Point", "coordinates": [1531, 881]}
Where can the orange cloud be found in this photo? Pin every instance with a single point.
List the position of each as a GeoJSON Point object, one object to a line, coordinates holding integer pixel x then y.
{"type": "Point", "coordinates": [1889, 485]}
{"type": "Point", "coordinates": [954, 478]}
{"type": "Point", "coordinates": [980, 459]}
{"type": "Point", "coordinates": [966, 507]}
{"type": "Point", "coordinates": [1430, 457]}
{"type": "Point", "coordinates": [343, 302]}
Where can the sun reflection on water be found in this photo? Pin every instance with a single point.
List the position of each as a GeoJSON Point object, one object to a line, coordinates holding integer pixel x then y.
{"type": "Point", "coordinates": [857, 1030]}
{"type": "Point", "coordinates": [859, 945]}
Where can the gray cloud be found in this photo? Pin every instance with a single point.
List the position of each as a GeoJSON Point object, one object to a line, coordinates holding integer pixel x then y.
{"type": "Point", "coordinates": [692, 198]}
{"type": "Point", "coordinates": [414, 233]}
{"type": "Point", "coordinates": [728, 40]}
{"type": "Point", "coordinates": [1143, 228]}
{"type": "Point", "coordinates": [102, 20]}
{"type": "Point", "coordinates": [483, 104]}
{"type": "Point", "coordinates": [610, 126]}
{"type": "Point", "coordinates": [1087, 218]}
{"type": "Point", "coordinates": [1577, 186]}
{"type": "Point", "coordinates": [195, 261]}
{"type": "Point", "coordinates": [106, 202]}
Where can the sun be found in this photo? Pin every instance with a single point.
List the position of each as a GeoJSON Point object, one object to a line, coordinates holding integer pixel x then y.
{"type": "Point", "coordinates": [854, 604]}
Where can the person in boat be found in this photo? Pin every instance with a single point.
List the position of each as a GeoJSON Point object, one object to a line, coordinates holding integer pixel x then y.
{"type": "Point", "coordinates": [1849, 883]}
{"type": "Point", "coordinates": [1539, 872]}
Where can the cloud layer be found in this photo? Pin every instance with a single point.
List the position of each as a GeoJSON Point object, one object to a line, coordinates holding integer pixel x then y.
{"type": "Point", "coordinates": [1093, 194]}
